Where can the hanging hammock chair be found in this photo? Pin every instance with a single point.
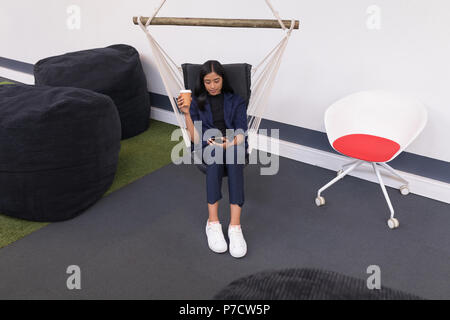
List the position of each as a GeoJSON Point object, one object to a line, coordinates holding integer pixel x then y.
{"type": "Point", "coordinates": [262, 76]}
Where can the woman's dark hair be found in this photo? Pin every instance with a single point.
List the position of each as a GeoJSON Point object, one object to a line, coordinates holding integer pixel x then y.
{"type": "Point", "coordinates": [200, 91]}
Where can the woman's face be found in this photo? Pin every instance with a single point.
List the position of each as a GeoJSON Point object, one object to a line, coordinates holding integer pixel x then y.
{"type": "Point", "coordinates": [213, 83]}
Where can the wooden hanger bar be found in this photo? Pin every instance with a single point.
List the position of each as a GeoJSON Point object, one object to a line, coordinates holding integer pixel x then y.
{"type": "Point", "coordinates": [212, 22]}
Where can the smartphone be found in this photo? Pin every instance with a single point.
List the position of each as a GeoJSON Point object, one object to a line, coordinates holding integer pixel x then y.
{"type": "Point", "coordinates": [217, 139]}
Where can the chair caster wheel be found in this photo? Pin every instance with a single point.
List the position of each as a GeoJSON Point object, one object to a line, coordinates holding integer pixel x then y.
{"type": "Point", "coordinates": [393, 223]}
{"type": "Point", "coordinates": [320, 201]}
{"type": "Point", "coordinates": [404, 190]}
{"type": "Point", "coordinates": [340, 172]}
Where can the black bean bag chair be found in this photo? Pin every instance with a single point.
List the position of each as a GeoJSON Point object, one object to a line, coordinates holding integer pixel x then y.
{"type": "Point", "coordinates": [306, 284]}
{"type": "Point", "coordinates": [115, 71]}
{"type": "Point", "coordinates": [59, 149]}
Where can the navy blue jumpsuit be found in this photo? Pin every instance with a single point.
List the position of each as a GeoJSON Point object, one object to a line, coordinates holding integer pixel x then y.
{"type": "Point", "coordinates": [234, 117]}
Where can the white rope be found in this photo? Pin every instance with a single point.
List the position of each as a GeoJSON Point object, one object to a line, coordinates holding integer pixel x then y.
{"type": "Point", "coordinates": [263, 87]}
{"type": "Point", "coordinates": [155, 13]}
{"type": "Point", "coordinates": [262, 84]}
{"type": "Point", "coordinates": [259, 100]}
{"type": "Point", "coordinates": [270, 59]}
{"type": "Point", "coordinates": [255, 69]}
{"type": "Point", "coordinates": [275, 13]}
{"type": "Point", "coordinates": [164, 70]}
{"type": "Point", "coordinates": [175, 65]}
{"type": "Point", "coordinates": [268, 88]}
{"type": "Point", "coordinates": [259, 80]}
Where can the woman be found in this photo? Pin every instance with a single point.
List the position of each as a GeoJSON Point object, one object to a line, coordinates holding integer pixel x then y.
{"type": "Point", "coordinates": [214, 104]}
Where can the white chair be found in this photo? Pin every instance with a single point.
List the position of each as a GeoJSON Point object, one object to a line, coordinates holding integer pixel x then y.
{"type": "Point", "coordinates": [374, 127]}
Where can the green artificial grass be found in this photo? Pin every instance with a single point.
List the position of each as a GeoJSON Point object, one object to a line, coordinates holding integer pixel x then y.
{"type": "Point", "coordinates": [138, 157]}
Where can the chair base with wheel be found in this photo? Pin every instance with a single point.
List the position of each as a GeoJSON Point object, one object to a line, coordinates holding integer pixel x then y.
{"type": "Point", "coordinates": [393, 222]}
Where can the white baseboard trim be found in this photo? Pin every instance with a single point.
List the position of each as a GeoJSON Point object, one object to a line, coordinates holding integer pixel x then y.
{"type": "Point", "coordinates": [419, 185]}
{"type": "Point", "coordinates": [163, 115]}
{"type": "Point", "coordinates": [17, 75]}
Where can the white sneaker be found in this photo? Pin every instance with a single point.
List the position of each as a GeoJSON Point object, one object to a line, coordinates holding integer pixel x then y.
{"type": "Point", "coordinates": [216, 239]}
{"type": "Point", "coordinates": [238, 246]}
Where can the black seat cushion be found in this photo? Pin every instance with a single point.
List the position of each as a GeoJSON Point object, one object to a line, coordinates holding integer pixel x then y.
{"type": "Point", "coordinates": [115, 71]}
{"type": "Point", "coordinates": [59, 149]}
{"type": "Point", "coordinates": [306, 284]}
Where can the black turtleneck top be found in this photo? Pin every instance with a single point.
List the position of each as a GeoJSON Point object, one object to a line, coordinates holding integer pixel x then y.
{"type": "Point", "coordinates": [216, 103]}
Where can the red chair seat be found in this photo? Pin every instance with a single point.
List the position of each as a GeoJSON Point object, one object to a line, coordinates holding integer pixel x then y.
{"type": "Point", "coordinates": [366, 147]}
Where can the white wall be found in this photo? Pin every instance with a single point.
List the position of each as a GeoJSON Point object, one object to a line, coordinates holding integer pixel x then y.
{"type": "Point", "coordinates": [333, 54]}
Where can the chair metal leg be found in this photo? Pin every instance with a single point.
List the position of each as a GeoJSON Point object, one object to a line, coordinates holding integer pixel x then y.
{"type": "Point", "coordinates": [340, 171]}
{"type": "Point", "coordinates": [350, 163]}
{"type": "Point", "coordinates": [404, 189]}
{"type": "Point", "coordinates": [391, 170]}
{"type": "Point", "coordinates": [392, 222]}
{"type": "Point", "coordinates": [339, 177]}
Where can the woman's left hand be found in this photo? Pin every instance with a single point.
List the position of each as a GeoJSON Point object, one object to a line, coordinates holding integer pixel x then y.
{"type": "Point", "coordinates": [224, 145]}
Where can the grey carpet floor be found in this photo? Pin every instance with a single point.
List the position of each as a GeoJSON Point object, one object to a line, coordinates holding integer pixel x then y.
{"type": "Point", "coordinates": [147, 241]}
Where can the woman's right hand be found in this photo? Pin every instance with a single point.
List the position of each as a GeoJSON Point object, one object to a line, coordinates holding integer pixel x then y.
{"type": "Point", "coordinates": [183, 105]}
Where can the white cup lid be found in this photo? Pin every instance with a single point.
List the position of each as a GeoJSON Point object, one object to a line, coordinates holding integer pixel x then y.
{"type": "Point", "coordinates": [185, 91]}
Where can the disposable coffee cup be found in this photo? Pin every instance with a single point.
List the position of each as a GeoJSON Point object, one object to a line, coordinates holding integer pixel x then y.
{"type": "Point", "coordinates": [186, 94]}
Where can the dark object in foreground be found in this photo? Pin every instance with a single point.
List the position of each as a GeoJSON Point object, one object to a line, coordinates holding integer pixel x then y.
{"type": "Point", "coordinates": [306, 284]}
